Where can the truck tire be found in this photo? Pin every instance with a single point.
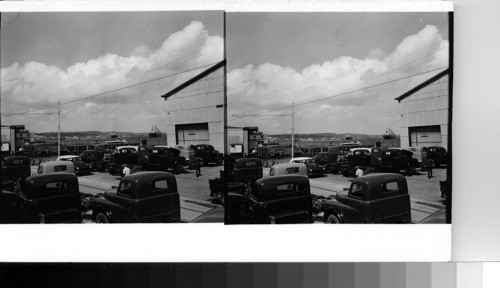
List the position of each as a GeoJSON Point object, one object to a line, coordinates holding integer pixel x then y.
{"type": "Point", "coordinates": [345, 173]}
{"type": "Point", "coordinates": [101, 218]}
{"type": "Point", "coordinates": [332, 219]}
{"type": "Point", "coordinates": [412, 170]}
{"type": "Point", "coordinates": [178, 167]}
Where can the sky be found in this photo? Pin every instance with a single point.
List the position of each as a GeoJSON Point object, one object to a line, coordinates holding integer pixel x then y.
{"type": "Point", "coordinates": [108, 69]}
{"type": "Point", "coordinates": [276, 59]}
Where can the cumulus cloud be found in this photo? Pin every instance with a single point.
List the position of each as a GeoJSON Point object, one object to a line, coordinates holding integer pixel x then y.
{"type": "Point", "coordinates": [265, 87]}
{"type": "Point", "coordinates": [34, 84]}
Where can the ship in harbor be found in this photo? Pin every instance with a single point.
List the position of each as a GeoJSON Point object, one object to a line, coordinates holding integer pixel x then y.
{"type": "Point", "coordinates": [389, 134]}
{"type": "Point", "coordinates": [155, 132]}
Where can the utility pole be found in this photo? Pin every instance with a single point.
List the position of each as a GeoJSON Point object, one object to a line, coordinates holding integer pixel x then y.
{"type": "Point", "coordinates": [59, 130]}
{"type": "Point", "coordinates": [293, 128]}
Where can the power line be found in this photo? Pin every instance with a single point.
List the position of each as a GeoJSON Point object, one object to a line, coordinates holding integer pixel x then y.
{"type": "Point", "coordinates": [119, 89]}
{"type": "Point", "coordinates": [383, 74]}
{"type": "Point", "coordinates": [166, 64]}
{"type": "Point", "coordinates": [139, 76]}
{"type": "Point", "coordinates": [345, 93]}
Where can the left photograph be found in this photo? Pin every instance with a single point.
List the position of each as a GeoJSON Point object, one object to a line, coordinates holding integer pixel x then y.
{"type": "Point", "coordinates": [112, 117]}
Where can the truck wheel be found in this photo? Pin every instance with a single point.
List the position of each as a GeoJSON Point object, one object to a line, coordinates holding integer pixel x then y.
{"type": "Point", "coordinates": [412, 170]}
{"type": "Point", "coordinates": [332, 219]}
{"type": "Point", "coordinates": [345, 173]}
{"type": "Point", "coordinates": [178, 167]}
{"type": "Point", "coordinates": [101, 218]}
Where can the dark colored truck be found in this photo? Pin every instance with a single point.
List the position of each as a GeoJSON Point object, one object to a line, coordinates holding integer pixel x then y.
{"type": "Point", "coordinates": [375, 198]}
{"type": "Point", "coordinates": [239, 173]}
{"type": "Point", "coordinates": [97, 159]}
{"type": "Point", "coordinates": [330, 161]}
{"type": "Point", "coordinates": [207, 154]}
{"type": "Point", "coordinates": [357, 157]}
{"type": "Point", "coordinates": [143, 197]}
{"type": "Point", "coordinates": [123, 155]}
{"type": "Point", "coordinates": [13, 169]}
{"type": "Point", "coordinates": [272, 200]}
{"type": "Point", "coordinates": [47, 198]}
{"type": "Point", "coordinates": [438, 155]}
{"type": "Point", "coordinates": [397, 160]}
{"type": "Point", "coordinates": [162, 158]}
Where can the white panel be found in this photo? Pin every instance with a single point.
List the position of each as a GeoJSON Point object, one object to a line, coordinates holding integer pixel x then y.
{"type": "Point", "coordinates": [444, 275]}
{"type": "Point", "coordinates": [469, 275]}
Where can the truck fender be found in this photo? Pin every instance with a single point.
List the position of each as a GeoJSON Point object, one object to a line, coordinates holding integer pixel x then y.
{"type": "Point", "coordinates": [101, 209]}
{"type": "Point", "coordinates": [334, 211]}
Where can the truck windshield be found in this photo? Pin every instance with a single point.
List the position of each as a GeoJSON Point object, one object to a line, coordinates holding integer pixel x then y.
{"type": "Point", "coordinates": [356, 190]}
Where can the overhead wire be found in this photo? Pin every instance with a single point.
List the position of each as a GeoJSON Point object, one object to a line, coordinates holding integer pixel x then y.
{"type": "Point", "coordinates": [377, 77]}
{"type": "Point", "coordinates": [129, 80]}
{"type": "Point", "coordinates": [340, 94]}
{"type": "Point", "coordinates": [111, 91]}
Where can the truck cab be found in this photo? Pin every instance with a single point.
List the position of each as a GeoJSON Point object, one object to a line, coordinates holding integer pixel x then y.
{"type": "Point", "coordinates": [398, 159]}
{"type": "Point", "coordinates": [375, 198]}
{"type": "Point", "coordinates": [123, 155]}
{"type": "Point", "coordinates": [162, 158]}
{"type": "Point", "coordinates": [143, 197]}
{"type": "Point", "coordinates": [239, 172]}
{"type": "Point", "coordinates": [14, 168]}
{"type": "Point", "coordinates": [47, 198]}
{"type": "Point", "coordinates": [272, 200]}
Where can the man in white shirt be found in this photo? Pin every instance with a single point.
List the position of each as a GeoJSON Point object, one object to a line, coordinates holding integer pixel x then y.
{"type": "Point", "coordinates": [359, 172]}
{"type": "Point", "coordinates": [126, 171]}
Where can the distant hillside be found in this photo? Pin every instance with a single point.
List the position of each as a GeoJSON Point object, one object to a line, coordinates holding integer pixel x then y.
{"type": "Point", "coordinates": [324, 135]}
{"type": "Point", "coordinates": [84, 134]}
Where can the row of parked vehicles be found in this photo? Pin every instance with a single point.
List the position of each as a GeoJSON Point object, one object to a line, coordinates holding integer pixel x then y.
{"type": "Point", "coordinates": [160, 158]}
{"type": "Point", "coordinates": [54, 197]}
{"type": "Point", "coordinates": [373, 159]}
{"type": "Point", "coordinates": [284, 196]}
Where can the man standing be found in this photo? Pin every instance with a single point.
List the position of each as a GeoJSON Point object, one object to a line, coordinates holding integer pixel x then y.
{"type": "Point", "coordinates": [376, 156]}
{"type": "Point", "coordinates": [143, 154]}
{"type": "Point", "coordinates": [197, 165]}
{"type": "Point", "coordinates": [429, 163]}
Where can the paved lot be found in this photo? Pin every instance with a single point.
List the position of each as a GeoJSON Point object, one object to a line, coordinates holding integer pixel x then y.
{"type": "Point", "coordinates": [194, 191]}
{"type": "Point", "coordinates": [424, 193]}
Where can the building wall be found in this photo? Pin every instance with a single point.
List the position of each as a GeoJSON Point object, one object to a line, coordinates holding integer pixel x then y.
{"type": "Point", "coordinates": [201, 102]}
{"type": "Point", "coordinates": [426, 107]}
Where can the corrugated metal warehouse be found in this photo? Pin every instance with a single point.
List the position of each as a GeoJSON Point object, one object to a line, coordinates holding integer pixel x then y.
{"type": "Point", "coordinates": [424, 113]}
{"type": "Point", "coordinates": [195, 109]}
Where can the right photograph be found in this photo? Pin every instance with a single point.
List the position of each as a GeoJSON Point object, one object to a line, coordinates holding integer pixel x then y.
{"type": "Point", "coordinates": [339, 117]}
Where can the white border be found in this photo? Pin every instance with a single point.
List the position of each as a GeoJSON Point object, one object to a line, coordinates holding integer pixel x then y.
{"type": "Point", "coordinates": [216, 242]}
{"type": "Point", "coordinates": [232, 6]}
{"type": "Point", "coordinates": [224, 243]}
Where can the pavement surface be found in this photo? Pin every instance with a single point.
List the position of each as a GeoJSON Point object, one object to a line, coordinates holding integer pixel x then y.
{"type": "Point", "coordinates": [425, 195]}
{"type": "Point", "coordinates": [195, 193]}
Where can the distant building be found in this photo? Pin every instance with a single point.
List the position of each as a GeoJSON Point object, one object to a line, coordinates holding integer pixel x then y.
{"type": "Point", "coordinates": [248, 137]}
{"type": "Point", "coordinates": [423, 113]}
{"type": "Point", "coordinates": [195, 109]}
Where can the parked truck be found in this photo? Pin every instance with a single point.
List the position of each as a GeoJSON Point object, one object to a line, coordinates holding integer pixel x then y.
{"type": "Point", "coordinates": [239, 172]}
{"type": "Point", "coordinates": [271, 200]}
{"type": "Point", "coordinates": [143, 197]}
{"type": "Point", "coordinates": [374, 198]}
{"type": "Point", "coordinates": [47, 198]}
